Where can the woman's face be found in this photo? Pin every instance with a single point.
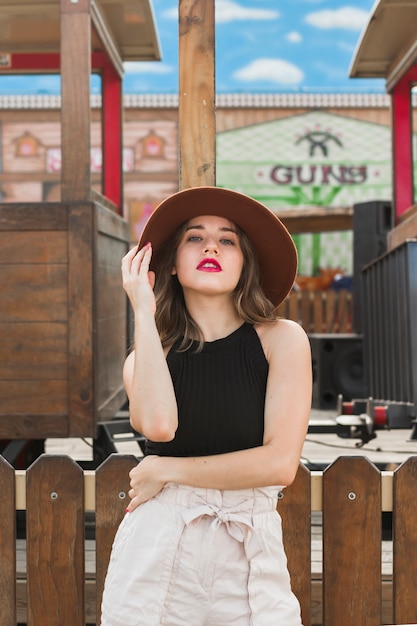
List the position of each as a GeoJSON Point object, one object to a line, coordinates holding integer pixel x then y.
{"type": "Point", "coordinates": [209, 258]}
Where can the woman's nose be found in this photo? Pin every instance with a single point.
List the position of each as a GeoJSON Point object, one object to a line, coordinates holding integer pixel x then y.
{"type": "Point", "coordinates": [211, 247]}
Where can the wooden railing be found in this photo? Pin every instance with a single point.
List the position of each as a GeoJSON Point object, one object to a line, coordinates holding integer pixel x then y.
{"type": "Point", "coordinates": [327, 311]}
{"type": "Point", "coordinates": [58, 584]}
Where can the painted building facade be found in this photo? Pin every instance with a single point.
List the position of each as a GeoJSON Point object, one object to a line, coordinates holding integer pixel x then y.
{"type": "Point", "coordinates": [290, 151]}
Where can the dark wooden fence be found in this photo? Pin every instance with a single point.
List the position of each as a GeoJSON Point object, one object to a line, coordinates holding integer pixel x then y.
{"type": "Point", "coordinates": [60, 573]}
{"type": "Point", "coordinates": [327, 311]}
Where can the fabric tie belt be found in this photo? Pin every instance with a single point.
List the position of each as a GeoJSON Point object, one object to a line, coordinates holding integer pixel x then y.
{"type": "Point", "coordinates": [238, 525]}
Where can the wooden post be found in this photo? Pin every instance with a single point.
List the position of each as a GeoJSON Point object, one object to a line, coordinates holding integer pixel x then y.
{"type": "Point", "coordinates": [112, 135]}
{"type": "Point", "coordinates": [197, 124]}
{"type": "Point", "coordinates": [7, 544]}
{"type": "Point", "coordinates": [75, 105]}
{"type": "Point", "coordinates": [402, 149]}
{"type": "Point", "coordinates": [82, 333]}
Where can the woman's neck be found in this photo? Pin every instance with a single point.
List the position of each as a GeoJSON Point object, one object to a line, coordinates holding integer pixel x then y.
{"type": "Point", "coordinates": [216, 319]}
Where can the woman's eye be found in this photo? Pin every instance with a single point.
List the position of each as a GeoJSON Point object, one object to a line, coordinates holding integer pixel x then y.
{"type": "Point", "coordinates": [228, 242]}
{"type": "Point", "coordinates": [194, 238]}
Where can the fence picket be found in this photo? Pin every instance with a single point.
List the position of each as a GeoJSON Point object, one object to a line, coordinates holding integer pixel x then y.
{"type": "Point", "coordinates": [343, 314]}
{"type": "Point", "coordinates": [405, 543]}
{"type": "Point", "coordinates": [55, 542]}
{"type": "Point", "coordinates": [318, 326]}
{"type": "Point", "coordinates": [291, 307]}
{"type": "Point", "coordinates": [7, 545]}
{"type": "Point", "coordinates": [352, 543]}
{"type": "Point", "coordinates": [112, 487]}
{"type": "Point", "coordinates": [295, 510]}
{"type": "Point", "coordinates": [329, 305]}
{"type": "Point", "coordinates": [305, 310]}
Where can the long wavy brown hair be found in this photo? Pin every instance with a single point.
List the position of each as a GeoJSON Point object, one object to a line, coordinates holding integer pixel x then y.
{"type": "Point", "coordinates": [173, 321]}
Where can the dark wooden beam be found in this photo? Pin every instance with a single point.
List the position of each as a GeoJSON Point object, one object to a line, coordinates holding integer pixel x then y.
{"type": "Point", "coordinates": [317, 220]}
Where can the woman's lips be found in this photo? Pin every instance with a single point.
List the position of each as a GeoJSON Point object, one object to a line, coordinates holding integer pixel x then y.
{"type": "Point", "coordinates": [209, 265]}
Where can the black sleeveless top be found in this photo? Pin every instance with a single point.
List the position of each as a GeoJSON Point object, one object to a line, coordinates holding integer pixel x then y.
{"type": "Point", "coordinates": [220, 394]}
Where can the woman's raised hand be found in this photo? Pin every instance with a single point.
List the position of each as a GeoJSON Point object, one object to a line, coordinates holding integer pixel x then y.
{"type": "Point", "coordinates": [138, 280]}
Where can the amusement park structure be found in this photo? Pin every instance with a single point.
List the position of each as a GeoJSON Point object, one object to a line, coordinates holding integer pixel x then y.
{"type": "Point", "coordinates": [64, 328]}
{"type": "Point", "coordinates": [63, 314]}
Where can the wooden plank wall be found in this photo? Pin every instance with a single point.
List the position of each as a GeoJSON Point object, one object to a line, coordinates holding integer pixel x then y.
{"type": "Point", "coordinates": [63, 318]}
{"type": "Point", "coordinates": [351, 591]}
{"type": "Point", "coordinates": [34, 320]}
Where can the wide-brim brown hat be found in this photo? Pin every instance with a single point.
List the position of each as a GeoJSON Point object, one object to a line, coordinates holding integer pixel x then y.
{"type": "Point", "coordinates": [277, 254]}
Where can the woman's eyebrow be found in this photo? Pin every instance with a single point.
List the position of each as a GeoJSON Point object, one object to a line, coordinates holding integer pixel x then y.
{"type": "Point", "coordinates": [223, 229]}
{"type": "Point", "coordinates": [196, 226]}
{"type": "Point", "coordinates": [228, 229]}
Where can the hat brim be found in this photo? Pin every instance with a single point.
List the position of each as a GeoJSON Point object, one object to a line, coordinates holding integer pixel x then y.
{"type": "Point", "coordinates": [275, 248]}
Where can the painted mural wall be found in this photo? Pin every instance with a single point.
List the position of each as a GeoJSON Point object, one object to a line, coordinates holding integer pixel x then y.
{"type": "Point", "coordinates": [315, 159]}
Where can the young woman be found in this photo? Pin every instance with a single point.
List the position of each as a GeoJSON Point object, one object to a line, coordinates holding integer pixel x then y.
{"type": "Point", "coordinates": [221, 388]}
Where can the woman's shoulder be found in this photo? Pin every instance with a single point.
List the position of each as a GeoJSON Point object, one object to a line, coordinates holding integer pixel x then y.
{"type": "Point", "coordinates": [280, 327]}
{"type": "Point", "coordinates": [280, 336]}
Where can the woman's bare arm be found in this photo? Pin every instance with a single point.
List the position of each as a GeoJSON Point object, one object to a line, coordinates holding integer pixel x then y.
{"type": "Point", "coordinates": [152, 402]}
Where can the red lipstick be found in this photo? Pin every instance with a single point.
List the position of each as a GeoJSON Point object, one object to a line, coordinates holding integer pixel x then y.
{"type": "Point", "coordinates": [209, 265]}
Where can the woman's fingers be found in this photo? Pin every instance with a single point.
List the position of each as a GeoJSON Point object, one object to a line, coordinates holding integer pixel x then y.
{"type": "Point", "coordinates": [127, 260]}
{"type": "Point", "coordinates": [137, 260]}
{"type": "Point", "coordinates": [144, 481]}
{"type": "Point", "coordinates": [141, 259]}
{"type": "Point", "coordinates": [145, 259]}
{"type": "Point", "coordinates": [136, 252]}
{"type": "Point", "coordinates": [131, 254]}
{"type": "Point", "coordinates": [133, 504]}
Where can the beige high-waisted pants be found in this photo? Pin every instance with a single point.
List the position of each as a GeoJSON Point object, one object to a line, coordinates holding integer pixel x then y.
{"type": "Point", "coordinates": [200, 557]}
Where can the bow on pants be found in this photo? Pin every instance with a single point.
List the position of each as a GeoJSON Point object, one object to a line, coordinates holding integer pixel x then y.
{"type": "Point", "coordinates": [238, 525]}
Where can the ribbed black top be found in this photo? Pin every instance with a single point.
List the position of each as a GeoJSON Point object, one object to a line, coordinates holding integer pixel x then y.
{"type": "Point", "coordinates": [220, 394]}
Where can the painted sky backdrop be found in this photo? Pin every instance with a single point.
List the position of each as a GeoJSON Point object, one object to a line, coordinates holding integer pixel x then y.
{"type": "Point", "coordinates": [262, 46]}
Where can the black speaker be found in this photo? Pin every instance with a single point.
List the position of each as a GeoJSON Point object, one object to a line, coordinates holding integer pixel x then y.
{"type": "Point", "coordinates": [337, 368]}
{"type": "Point", "coordinates": [371, 223]}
